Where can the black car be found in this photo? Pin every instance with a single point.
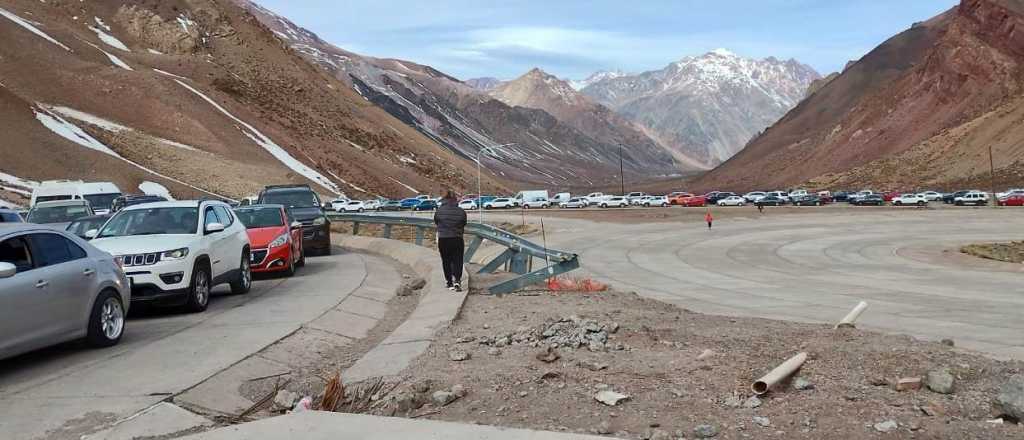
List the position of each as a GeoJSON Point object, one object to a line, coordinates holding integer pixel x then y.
{"type": "Point", "coordinates": [126, 201]}
{"type": "Point", "coordinates": [9, 216]}
{"type": "Point", "coordinates": [305, 207]}
{"type": "Point", "coordinates": [85, 224]}
{"type": "Point", "coordinates": [770, 201]}
{"type": "Point", "coordinates": [808, 200]}
{"type": "Point", "coordinates": [841, 196]}
{"type": "Point", "coordinates": [873, 199]}
{"type": "Point", "coordinates": [949, 198]}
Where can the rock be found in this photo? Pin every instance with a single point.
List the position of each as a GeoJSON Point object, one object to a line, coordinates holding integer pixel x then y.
{"type": "Point", "coordinates": [733, 401]}
{"type": "Point", "coordinates": [752, 402]}
{"type": "Point", "coordinates": [442, 398]}
{"type": "Point", "coordinates": [422, 386]}
{"type": "Point", "coordinates": [948, 342]}
{"type": "Point", "coordinates": [763, 422]}
{"type": "Point", "coordinates": [523, 394]}
{"type": "Point", "coordinates": [595, 346]}
{"type": "Point", "coordinates": [465, 340]}
{"type": "Point", "coordinates": [1010, 400]}
{"type": "Point", "coordinates": [886, 426]}
{"type": "Point", "coordinates": [878, 382]}
{"type": "Point", "coordinates": [286, 399]}
{"type": "Point", "coordinates": [459, 391]}
{"type": "Point", "coordinates": [802, 384]}
{"type": "Point", "coordinates": [548, 356]}
{"type": "Point", "coordinates": [458, 355]}
{"type": "Point", "coordinates": [493, 351]}
{"type": "Point", "coordinates": [592, 365]}
{"type": "Point", "coordinates": [406, 401]}
{"type": "Point", "coordinates": [705, 431]}
{"type": "Point", "coordinates": [502, 342]}
{"type": "Point", "coordinates": [603, 428]}
{"type": "Point", "coordinates": [613, 328]}
{"type": "Point", "coordinates": [932, 409]}
{"type": "Point", "coordinates": [908, 384]}
{"type": "Point", "coordinates": [658, 434]}
{"type": "Point", "coordinates": [404, 291]}
{"type": "Point", "coordinates": [706, 354]}
{"type": "Point", "coordinates": [609, 397]}
{"type": "Point", "coordinates": [414, 283]}
{"type": "Point", "coordinates": [940, 381]}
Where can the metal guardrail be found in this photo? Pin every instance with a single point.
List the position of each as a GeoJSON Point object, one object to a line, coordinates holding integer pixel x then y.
{"type": "Point", "coordinates": [518, 255]}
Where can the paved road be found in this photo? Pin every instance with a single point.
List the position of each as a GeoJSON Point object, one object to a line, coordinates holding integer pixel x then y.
{"type": "Point", "coordinates": [72, 388]}
{"type": "Point", "coordinates": [814, 267]}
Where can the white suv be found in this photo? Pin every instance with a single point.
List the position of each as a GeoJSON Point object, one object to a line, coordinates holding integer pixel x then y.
{"type": "Point", "coordinates": [174, 253]}
{"type": "Point", "coordinates": [976, 198]}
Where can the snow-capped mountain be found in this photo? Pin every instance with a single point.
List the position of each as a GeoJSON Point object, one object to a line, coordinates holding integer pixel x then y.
{"type": "Point", "coordinates": [595, 78]}
{"type": "Point", "coordinates": [709, 106]}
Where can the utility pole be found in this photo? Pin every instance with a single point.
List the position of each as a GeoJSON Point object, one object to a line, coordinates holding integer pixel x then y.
{"type": "Point", "coordinates": [622, 178]}
{"type": "Point", "coordinates": [992, 176]}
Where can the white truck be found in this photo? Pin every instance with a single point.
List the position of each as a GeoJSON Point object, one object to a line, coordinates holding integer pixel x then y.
{"type": "Point", "coordinates": [596, 198]}
{"type": "Point", "coordinates": [529, 196]}
{"type": "Point", "coordinates": [100, 195]}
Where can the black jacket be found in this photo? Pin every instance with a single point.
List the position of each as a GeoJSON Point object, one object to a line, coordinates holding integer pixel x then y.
{"type": "Point", "coordinates": [450, 220]}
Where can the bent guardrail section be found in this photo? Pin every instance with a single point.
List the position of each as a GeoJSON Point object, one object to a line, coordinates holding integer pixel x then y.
{"type": "Point", "coordinates": [518, 255]}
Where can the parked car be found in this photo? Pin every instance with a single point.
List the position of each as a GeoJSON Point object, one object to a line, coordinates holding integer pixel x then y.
{"type": "Point", "coordinates": [910, 199]}
{"type": "Point", "coordinates": [859, 195]}
{"type": "Point", "coordinates": [931, 196]}
{"type": "Point", "coordinates": [132, 200]}
{"type": "Point", "coordinates": [596, 198]}
{"type": "Point", "coordinates": [975, 198]}
{"type": "Point", "coordinates": [807, 200]}
{"type": "Point", "coordinates": [391, 205]}
{"type": "Point", "coordinates": [426, 205]}
{"type": "Point", "coordinates": [754, 196]}
{"type": "Point", "coordinates": [57, 288]}
{"type": "Point", "coordinates": [661, 201]}
{"type": "Point", "coordinates": [305, 206]}
{"type": "Point", "coordinates": [779, 194]}
{"type": "Point", "coordinates": [60, 213]}
{"type": "Point", "coordinates": [275, 239]}
{"type": "Point", "coordinates": [770, 200]}
{"type": "Point", "coordinates": [1013, 200]}
{"type": "Point", "coordinates": [868, 200]}
{"type": "Point", "coordinates": [718, 195]}
{"type": "Point", "coordinates": [352, 206]}
{"type": "Point", "coordinates": [1009, 192]}
{"type": "Point", "coordinates": [9, 216]}
{"type": "Point", "coordinates": [371, 205]}
{"type": "Point", "coordinates": [797, 193]}
{"type": "Point", "coordinates": [732, 201]}
{"type": "Point", "coordinates": [575, 202]}
{"type": "Point", "coordinates": [694, 201]}
{"type": "Point", "coordinates": [841, 196]}
{"type": "Point", "coordinates": [950, 198]}
{"type": "Point", "coordinates": [82, 226]}
{"type": "Point", "coordinates": [889, 196]}
{"type": "Point", "coordinates": [500, 203]}
{"type": "Point", "coordinates": [677, 198]}
{"type": "Point", "coordinates": [615, 202]}
{"type": "Point", "coordinates": [468, 204]}
{"type": "Point", "coordinates": [639, 201]}
{"type": "Point", "coordinates": [634, 196]}
{"type": "Point", "coordinates": [537, 203]}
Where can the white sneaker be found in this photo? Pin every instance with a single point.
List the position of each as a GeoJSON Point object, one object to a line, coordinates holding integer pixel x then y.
{"type": "Point", "coordinates": [458, 287]}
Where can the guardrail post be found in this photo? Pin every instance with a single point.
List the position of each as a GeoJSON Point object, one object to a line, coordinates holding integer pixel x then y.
{"type": "Point", "coordinates": [471, 250]}
{"type": "Point", "coordinates": [387, 231]}
{"type": "Point", "coordinates": [519, 263]}
{"type": "Point", "coordinates": [419, 235]}
{"type": "Point", "coordinates": [355, 228]}
{"type": "Point", "coordinates": [497, 262]}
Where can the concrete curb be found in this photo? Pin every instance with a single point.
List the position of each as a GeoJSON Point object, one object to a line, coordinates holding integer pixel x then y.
{"type": "Point", "coordinates": [437, 308]}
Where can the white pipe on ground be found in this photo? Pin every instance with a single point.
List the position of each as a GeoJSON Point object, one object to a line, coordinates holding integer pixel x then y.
{"type": "Point", "coordinates": [851, 317]}
{"type": "Point", "coordinates": [762, 385]}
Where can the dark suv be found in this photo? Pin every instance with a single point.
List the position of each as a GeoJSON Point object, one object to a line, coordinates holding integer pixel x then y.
{"type": "Point", "coordinates": [305, 207]}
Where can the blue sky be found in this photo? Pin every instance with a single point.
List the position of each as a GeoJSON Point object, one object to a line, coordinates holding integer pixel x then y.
{"type": "Point", "coordinates": [573, 38]}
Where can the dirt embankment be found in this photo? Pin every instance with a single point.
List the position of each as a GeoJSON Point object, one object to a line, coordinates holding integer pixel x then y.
{"type": "Point", "coordinates": [1012, 252]}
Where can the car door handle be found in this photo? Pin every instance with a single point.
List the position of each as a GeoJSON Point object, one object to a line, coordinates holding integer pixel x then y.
{"type": "Point", "coordinates": [88, 272]}
{"type": "Point", "coordinates": [41, 284]}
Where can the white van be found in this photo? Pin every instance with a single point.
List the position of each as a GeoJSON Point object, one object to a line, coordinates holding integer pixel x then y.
{"type": "Point", "coordinates": [560, 198]}
{"type": "Point", "coordinates": [529, 196]}
{"type": "Point", "coordinates": [53, 190]}
{"type": "Point", "coordinates": [100, 195]}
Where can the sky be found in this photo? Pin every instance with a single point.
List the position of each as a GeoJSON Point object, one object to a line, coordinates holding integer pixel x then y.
{"type": "Point", "coordinates": [574, 38]}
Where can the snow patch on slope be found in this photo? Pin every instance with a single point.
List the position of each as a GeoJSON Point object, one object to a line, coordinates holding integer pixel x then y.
{"type": "Point", "coordinates": [275, 150]}
{"type": "Point", "coordinates": [113, 59]}
{"type": "Point", "coordinates": [107, 125]}
{"type": "Point", "coordinates": [414, 191]}
{"type": "Point", "coordinates": [349, 184]}
{"type": "Point", "coordinates": [28, 25]}
{"type": "Point", "coordinates": [109, 40]}
{"type": "Point", "coordinates": [155, 189]}
{"type": "Point", "coordinates": [101, 24]}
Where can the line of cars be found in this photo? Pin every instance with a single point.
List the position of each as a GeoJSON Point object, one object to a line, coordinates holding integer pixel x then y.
{"type": "Point", "coordinates": [59, 286]}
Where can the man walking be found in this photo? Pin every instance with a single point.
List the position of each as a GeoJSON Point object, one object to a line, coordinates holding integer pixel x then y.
{"type": "Point", "coordinates": [451, 221]}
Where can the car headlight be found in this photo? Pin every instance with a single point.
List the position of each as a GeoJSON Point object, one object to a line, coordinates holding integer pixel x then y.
{"type": "Point", "coordinates": [280, 240]}
{"type": "Point", "coordinates": [176, 254]}
{"type": "Point", "coordinates": [320, 220]}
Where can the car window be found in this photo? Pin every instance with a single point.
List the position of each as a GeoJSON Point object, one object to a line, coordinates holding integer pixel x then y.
{"type": "Point", "coordinates": [16, 251]}
{"type": "Point", "coordinates": [210, 217]}
{"type": "Point", "coordinates": [225, 216]}
{"type": "Point", "coordinates": [10, 217]}
{"type": "Point", "coordinates": [53, 249]}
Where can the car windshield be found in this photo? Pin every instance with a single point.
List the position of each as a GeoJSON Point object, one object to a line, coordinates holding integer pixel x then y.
{"type": "Point", "coordinates": [58, 214]}
{"type": "Point", "coordinates": [291, 199]}
{"type": "Point", "coordinates": [10, 217]}
{"type": "Point", "coordinates": [152, 221]}
{"type": "Point", "coordinates": [80, 227]}
{"type": "Point", "coordinates": [101, 201]}
{"type": "Point", "coordinates": [254, 218]}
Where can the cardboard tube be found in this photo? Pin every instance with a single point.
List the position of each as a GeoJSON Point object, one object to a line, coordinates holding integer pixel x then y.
{"type": "Point", "coordinates": [851, 317]}
{"type": "Point", "coordinates": [762, 385]}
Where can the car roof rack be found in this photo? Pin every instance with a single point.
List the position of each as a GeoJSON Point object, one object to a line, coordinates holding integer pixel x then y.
{"type": "Point", "coordinates": [293, 185]}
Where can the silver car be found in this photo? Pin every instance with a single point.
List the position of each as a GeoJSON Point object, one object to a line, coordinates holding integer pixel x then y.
{"type": "Point", "coordinates": [55, 287]}
{"type": "Point", "coordinates": [59, 213]}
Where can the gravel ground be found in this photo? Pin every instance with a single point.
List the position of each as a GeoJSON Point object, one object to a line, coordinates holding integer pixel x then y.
{"type": "Point", "coordinates": [1008, 252]}
{"type": "Point", "coordinates": [658, 355]}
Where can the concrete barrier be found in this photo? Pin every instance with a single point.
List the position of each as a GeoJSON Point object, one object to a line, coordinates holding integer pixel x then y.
{"type": "Point", "coordinates": [437, 308]}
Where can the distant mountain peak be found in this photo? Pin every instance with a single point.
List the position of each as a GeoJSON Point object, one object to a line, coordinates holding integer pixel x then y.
{"type": "Point", "coordinates": [722, 52]}
{"type": "Point", "coordinates": [596, 77]}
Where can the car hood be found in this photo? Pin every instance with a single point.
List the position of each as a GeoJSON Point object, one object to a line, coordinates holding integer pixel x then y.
{"type": "Point", "coordinates": [261, 237]}
{"type": "Point", "coordinates": [304, 214]}
{"type": "Point", "coordinates": [143, 244]}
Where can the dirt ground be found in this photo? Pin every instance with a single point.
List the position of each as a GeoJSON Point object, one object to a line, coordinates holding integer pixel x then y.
{"type": "Point", "coordinates": [1012, 252]}
{"type": "Point", "coordinates": [655, 354]}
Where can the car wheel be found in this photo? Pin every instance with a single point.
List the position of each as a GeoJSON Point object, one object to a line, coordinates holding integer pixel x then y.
{"type": "Point", "coordinates": [920, 203]}
{"type": "Point", "coordinates": [526, 206]}
{"type": "Point", "coordinates": [604, 205]}
{"type": "Point", "coordinates": [959, 203]}
{"type": "Point", "coordinates": [898, 203]}
{"type": "Point", "coordinates": [361, 210]}
{"type": "Point", "coordinates": [106, 322]}
{"type": "Point", "coordinates": [242, 285]}
{"type": "Point", "coordinates": [199, 291]}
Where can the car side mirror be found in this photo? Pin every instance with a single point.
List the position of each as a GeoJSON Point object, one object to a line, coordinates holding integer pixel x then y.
{"type": "Point", "coordinates": [91, 234]}
{"type": "Point", "coordinates": [296, 225]}
{"type": "Point", "coordinates": [214, 227]}
{"type": "Point", "coordinates": [7, 270]}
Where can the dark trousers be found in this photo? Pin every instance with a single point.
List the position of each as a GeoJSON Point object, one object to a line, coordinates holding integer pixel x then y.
{"type": "Point", "coordinates": [452, 251]}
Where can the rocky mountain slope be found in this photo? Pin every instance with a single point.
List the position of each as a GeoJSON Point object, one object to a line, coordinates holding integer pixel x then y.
{"type": "Point", "coordinates": [922, 109]}
{"type": "Point", "coordinates": [195, 96]}
{"type": "Point", "coordinates": [707, 107]}
{"type": "Point", "coordinates": [464, 119]}
{"type": "Point", "coordinates": [486, 83]}
{"type": "Point", "coordinates": [595, 78]}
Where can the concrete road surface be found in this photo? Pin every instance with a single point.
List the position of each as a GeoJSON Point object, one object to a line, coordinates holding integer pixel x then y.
{"type": "Point", "coordinates": [69, 389]}
{"type": "Point", "coordinates": [816, 265]}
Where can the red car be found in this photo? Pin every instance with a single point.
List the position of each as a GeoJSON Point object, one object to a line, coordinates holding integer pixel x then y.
{"type": "Point", "coordinates": [1014, 200]}
{"type": "Point", "coordinates": [275, 238]}
{"type": "Point", "coordinates": [888, 196]}
{"type": "Point", "coordinates": [694, 201]}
